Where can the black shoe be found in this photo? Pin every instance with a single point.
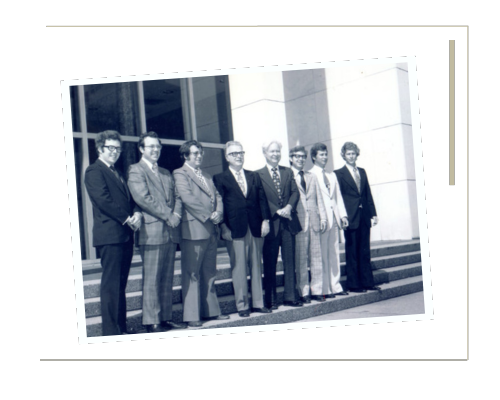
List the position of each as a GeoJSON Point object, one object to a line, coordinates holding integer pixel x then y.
{"type": "Point", "coordinates": [329, 296]}
{"type": "Point", "coordinates": [343, 293]}
{"type": "Point", "coordinates": [318, 298]}
{"type": "Point", "coordinates": [305, 299]}
{"type": "Point", "coordinates": [373, 288]}
{"type": "Point", "coordinates": [128, 331]}
{"type": "Point", "coordinates": [155, 328]}
{"type": "Point", "coordinates": [358, 290]}
{"type": "Point", "coordinates": [244, 313]}
{"type": "Point", "coordinates": [272, 306]}
{"type": "Point", "coordinates": [194, 324]}
{"type": "Point", "coordinates": [293, 303]}
{"type": "Point", "coordinates": [263, 310]}
{"type": "Point", "coordinates": [174, 325]}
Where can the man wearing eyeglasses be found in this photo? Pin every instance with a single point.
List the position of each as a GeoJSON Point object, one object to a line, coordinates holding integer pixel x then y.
{"type": "Point", "coordinates": [282, 196]}
{"type": "Point", "coordinates": [312, 216]}
{"type": "Point", "coordinates": [202, 211]}
{"type": "Point", "coordinates": [246, 223]}
{"type": "Point", "coordinates": [116, 217]}
{"type": "Point", "coordinates": [153, 189]}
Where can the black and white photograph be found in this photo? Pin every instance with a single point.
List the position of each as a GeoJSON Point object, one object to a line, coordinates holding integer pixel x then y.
{"type": "Point", "coordinates": [232, 199]}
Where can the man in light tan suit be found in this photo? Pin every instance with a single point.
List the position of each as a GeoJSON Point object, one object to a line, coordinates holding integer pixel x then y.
{"type": "Point", "coordinates": [202, 211]}
{"type": "Point", "coordinates": [337, 218]}
{"type": "Point", "coordinates": [153, 190]}
{"type": "Point", "coordinates": [312, 216]}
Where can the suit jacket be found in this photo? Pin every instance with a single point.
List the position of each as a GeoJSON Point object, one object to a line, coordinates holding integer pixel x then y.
{"type": "Point", "coordinates": [353, 198]}
{"type": "Point", "coordinates": [332, 198]}
{"type": "Point", "coordinates": [240, 212]}
{"type": "Point", "coordinates": [112, 205]}
{"type": "Point", "coordinates": [197, 204]}
{"type": "Point", "coordinates": [289, 194]}
{"type": "Point", "coordinates": [155, 195]}
{"type": "Point", "coordinates": [311, 207]}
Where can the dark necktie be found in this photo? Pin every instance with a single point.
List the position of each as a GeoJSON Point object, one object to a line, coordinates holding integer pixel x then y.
{"type": "Point", "coordinates": [277, 185]}
{"type": "Point", "coordinates": [327, 182]}
{"type": "Point", "coordinates": [113, 169]}
{"type": "Point", "coordinates": [302, 180]}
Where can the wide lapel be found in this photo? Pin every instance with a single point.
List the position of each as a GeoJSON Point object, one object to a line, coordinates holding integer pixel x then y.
{"type": "Point", "coordinates": [152, 177]}
{"type": "Point", "coordinates": [284, 178]}
{"type": "Point", "coordinates": [250, 181]}
{"type": "Point", "coordinates": [166, 182]}
{"type": "Point", "coordinates": [268, 180]}
{"type": "Point", "coordinates": [234, 183]}
{"type": "Point", "coordinates": [308, 178]}
{"type": "Point", "coordinates": [349, 179]}
{"type": "Point", "coordinates": [195, 179]}
{"type": "Point", "coordinates": [112, 176]}
{"type": "Point", "coordinates": [362, 179]}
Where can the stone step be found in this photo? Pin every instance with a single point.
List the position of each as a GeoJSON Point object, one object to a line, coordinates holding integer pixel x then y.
{"type": "Point", "coordinates": [92, 269]}
{"type": "Point", "coordinates": [91, 287]}
{"type": "Point", "coordinates": [285, 314]}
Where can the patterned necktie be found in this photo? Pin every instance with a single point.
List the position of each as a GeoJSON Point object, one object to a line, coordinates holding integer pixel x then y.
{"type": "Point", "coordinates": [203, 182]}
{"type": "Point", "coordinates": [276, 180]}
{"type": "Point", "coordinates": [357, 179]}
{"type": "Point", "coordinates": [155, 169]}
{"type": "Point", "coordinates": [302, 180]}
{"type": "Point", "coordinates": [241, 183]}
{"type": "Point", "coordinates": [327, 182]}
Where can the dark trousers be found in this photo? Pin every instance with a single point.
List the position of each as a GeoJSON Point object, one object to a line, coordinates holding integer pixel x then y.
{"type": "Point", "coordinates": [286, 241]}
{"type": "Point", "coordinates": [115, 262]}
{"type": "Point", "coordinates": [357, 250]}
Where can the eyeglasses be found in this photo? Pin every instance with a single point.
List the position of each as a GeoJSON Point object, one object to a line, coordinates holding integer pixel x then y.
{"type": "Point", "coordinates": [113, 148]}
{"type": "Point", "coordinates": [154, 146]}
{"type": "Point", "coordinates": [300, 156]}
{"type": "Point", "coordinates": [237, 154]}
{"type": "Point", "coordinates": [197, 153]}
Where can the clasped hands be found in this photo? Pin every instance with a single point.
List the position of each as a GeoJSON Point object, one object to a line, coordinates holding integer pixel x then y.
{"type": "Point", "coordinates": [134, 222]}
{"type": "Point", "coordinates": [173, 220]}
{"type": "Point", "coordinates": [285, 212]}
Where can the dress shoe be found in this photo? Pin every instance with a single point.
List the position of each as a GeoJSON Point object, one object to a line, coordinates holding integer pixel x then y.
{"type": "Point", "coordinates": [272, 306]}
{"type": "Point", "coordinates": [128, 331]}
{"type": "Point", "coordinates": [194, 324]}
{"type": "Point", "coordinates": [358, 290]}
{"type": "Point", "coordinates": [305, 299]}
{"type": "Point", "coordinates": [293, 303]}
{"type": "Point", "coordinates": [263, 310]}
{"type": "Point", "coordinates": [343, 293]}
{"type": "Point", "coordinates": [329, 296]}
{"type": "Point", "coordinates": [373, 288]}
{"type": "Point", "coordinates": [244, 313]}
{"type": "Point", "coordinates": [174, 325]}
{"type": "Point", "coordinates": [318, 298]}
{"type": "Point", "coordinates": [155, 328]}
{"type": "Point", "coordinates": [217, 318]}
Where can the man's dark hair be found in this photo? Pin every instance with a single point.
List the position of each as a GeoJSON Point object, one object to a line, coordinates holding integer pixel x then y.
{"type": "Point", "coordinates": [297, 149]}
{"type": "Point", "coordinates": [101, 138]}
{"type": "Point", "coordinates": [185, 149]}
{"type": "Point", "coordinates": [317, 147]}
{"type": "Point", "coordinates": [143, 137]}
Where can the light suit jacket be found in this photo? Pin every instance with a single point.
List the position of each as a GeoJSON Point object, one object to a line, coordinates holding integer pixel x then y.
{"type": "Point", "coordinates": [332, 198]}
{"type": "Point", "coordinates": [197, 204]}
{"type": "Point", "coordinates": [311, 207]}
{"type": "Point", "coordinates": [155, 195]}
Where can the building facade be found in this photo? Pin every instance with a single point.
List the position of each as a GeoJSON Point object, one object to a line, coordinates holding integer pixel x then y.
{"type": "Point", "coordinates": [368, 105]}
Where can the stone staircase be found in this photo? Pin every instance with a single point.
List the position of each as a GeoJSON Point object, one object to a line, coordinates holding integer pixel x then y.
{"type": "Point", "coordinates": [396, 268]}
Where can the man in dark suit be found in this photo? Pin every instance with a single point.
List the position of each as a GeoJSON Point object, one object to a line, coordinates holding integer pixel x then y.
{"type": "Point", "coordinates": [246, 223]}
{"type": "Point", "coordinates": [115, 220]}
{"type": "Point", "coordinates": [282, 196]}
{"type": "Point", "coordinates": [361, 212]}
{"type": "Point", "coordinates": [202, 211]}
{"type": "Point", "coordinates": [153, 190]}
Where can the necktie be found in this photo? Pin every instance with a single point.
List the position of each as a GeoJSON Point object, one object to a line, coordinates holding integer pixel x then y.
{"type": "Point", "coordinates": [276, 180]}
{"type": "Point", "coordinates": [302, 180]}
{"type": "Point", "coordinates": [357, 179]}
{"type": "Point", "coordinates": [115, 172]}
{"type": "Point", "coordinates": [155, 169]}
{"type": "Point", "coordinates": [241, 183]}
{"type": "Point", "coordinates": [327, 182]}
{"type": "Point", "coordinates": [203, 182]}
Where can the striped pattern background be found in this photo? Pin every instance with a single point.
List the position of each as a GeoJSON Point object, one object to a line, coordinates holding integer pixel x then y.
{"type": "Point", "coordinates": [447, 232]}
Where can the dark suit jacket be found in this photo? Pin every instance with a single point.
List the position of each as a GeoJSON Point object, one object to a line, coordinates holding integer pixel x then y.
{"type": "Point", "coordinates": [241, 212]}
{"type": "Point", "coordinates": [353, 198]}
{"type": "Point", "coordinates": [289, 194]}
{"type": "Point", "coordinates": [112, 205]}
{"type": "Point", "coordinates": [155, 195]}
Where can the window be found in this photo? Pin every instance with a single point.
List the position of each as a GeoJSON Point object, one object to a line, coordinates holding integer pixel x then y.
{"type": "Point", "coordinates": [176, 109]}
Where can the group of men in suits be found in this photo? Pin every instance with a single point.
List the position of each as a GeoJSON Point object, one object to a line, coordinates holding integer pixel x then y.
{"type": "Point", "coordinates": [256, 213]}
